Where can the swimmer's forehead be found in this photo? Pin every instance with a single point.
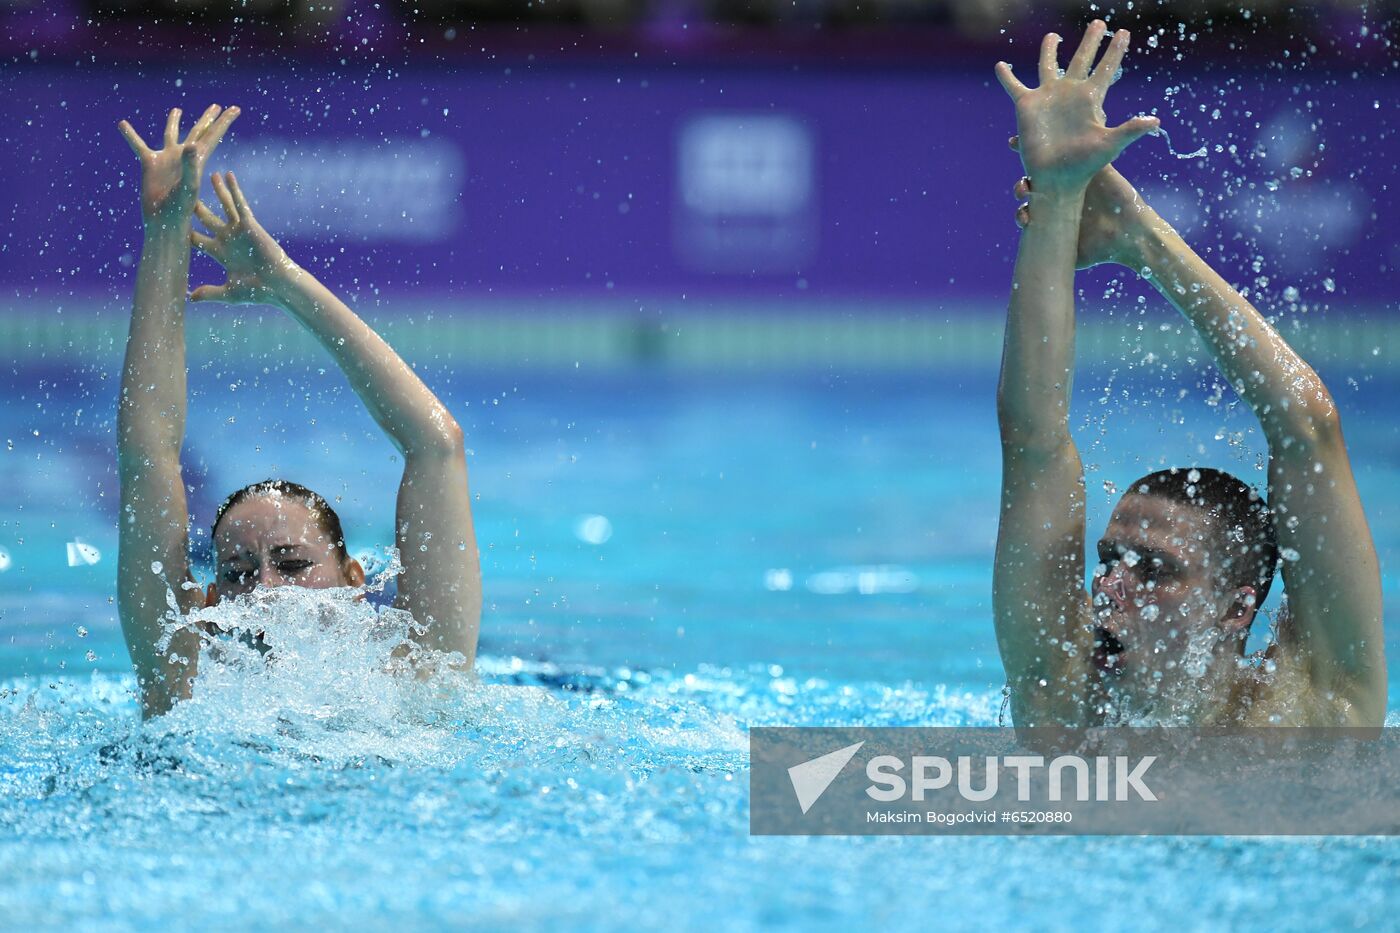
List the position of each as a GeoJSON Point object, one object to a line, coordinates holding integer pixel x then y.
{"type": "Point", "coordinates": [1148, 523]}
{"type": "Point", "coordinates": [264, 525]}
{"type": "Point", "coordinates": [265, 509]}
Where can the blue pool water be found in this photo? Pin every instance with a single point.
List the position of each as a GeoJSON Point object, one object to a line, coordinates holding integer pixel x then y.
{"type": "Point", "coordinates": [669, 558]}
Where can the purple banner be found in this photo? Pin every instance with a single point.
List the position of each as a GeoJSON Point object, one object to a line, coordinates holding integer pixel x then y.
{"type": "Point", "coordinates": [641, 180]}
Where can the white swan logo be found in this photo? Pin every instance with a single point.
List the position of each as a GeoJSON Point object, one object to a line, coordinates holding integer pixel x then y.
{"type": "Point", "coordinates": [811, 778]}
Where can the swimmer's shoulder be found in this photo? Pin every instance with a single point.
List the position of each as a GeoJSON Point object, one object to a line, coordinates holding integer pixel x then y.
{"type": "Point", "coordinates": [1275, 688]}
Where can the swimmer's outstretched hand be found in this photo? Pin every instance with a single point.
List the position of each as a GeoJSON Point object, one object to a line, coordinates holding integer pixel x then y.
{"type": "Point", "coordinates": [1065, 138]}
{"type": "Point", "coordinates": [170, 175]}
{"type": "Point", "coordinates": [256, 265]}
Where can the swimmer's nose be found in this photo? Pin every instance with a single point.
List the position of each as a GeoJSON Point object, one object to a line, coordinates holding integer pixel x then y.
{"type": "Point", "coordinates": [1111, 585]}
{"type": "Point", "coordinates": [269, 577]}
{"type": "Point", "coordinates": [1119, 592]}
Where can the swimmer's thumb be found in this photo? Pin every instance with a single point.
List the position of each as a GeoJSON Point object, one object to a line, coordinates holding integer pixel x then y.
{"type": "Point", "coordinates": [1130, 131]}
{"type": "Point", "coordinates": [207, 293]}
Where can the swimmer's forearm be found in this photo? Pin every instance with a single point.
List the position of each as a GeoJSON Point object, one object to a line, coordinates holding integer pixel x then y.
{"type": "Point", "coordinates": [398, 400]}
{"type": "Point", "coordinates": [1284, 392]}
{"type": "Point", "coordinates": [151, 408]}
{"type": "Point", "coordinates": [1038, 356]}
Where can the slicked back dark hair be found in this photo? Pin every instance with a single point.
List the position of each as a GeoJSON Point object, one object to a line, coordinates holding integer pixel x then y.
{"type": "Point", "coordinates": [325, 515]}
{"type": "Point", "coordinates": [1244, 518]}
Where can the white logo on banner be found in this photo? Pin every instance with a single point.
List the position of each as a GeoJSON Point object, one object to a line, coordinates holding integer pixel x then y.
{"type": "Point", "coordinates": [811, 778]}
{"type": "Point", "coordinates": [398, 190]}
{"type": "Point", "coordinates": [82, 554]}
{"type": "Point", "coordinates": [746, 190]}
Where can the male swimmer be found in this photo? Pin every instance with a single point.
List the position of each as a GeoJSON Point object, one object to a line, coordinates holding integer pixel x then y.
{"type": "Point", "coordinates": [1189, 553]}
{"type": "Point", "coordinates": [273, 533]}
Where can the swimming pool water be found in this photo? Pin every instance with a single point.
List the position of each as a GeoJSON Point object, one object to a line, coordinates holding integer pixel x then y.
{"type": "Point", "coordinates": [806, 548]}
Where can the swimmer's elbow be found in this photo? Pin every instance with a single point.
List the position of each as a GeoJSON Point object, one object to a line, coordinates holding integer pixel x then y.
{"type": "Point", "coordinates": [1036, 443]}
{"type": "Point", "coordinates": [1030, 432]}
{"type": "Point", "coordinates": [453, 437]}
{"type": "Point", "coordinates": [1324, 421]}
{"type": "Point", "coordinates": [1312, 422]}
{"type": "Point", "coordinates": [445, 438]}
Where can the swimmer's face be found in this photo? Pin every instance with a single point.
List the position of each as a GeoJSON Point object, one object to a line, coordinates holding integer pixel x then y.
{"type": "Point", "coordinates": [1157, 585]}
{"type": "Point", "coordinates": [275, 540]}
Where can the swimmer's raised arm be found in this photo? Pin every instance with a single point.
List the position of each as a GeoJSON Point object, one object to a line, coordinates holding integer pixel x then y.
{"type": "Point", "coordinates": [1331, 573]}
{"type": "Point", "coordinates": [154, 519]}
{"type": "Point", "coordinates": [1334, 625]}
{"type": "Point", "coordinates": [1039, 601]}
{"type": "Point", "coordinates": [441, 579]}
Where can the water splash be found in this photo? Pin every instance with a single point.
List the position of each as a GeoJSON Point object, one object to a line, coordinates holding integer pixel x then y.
{"type": "Point", "coordinates": [1198, 154]}
{"type": "Point", "coordinates": [1199, 652]}
{"type": "Point", "coordinates": [323, 673]}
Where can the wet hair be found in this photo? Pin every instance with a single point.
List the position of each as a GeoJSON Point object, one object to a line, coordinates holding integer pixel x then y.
{"type": "Point", "coordinates": [1244, 518]}
{"type": "Point", "coordinates": [319, 507]}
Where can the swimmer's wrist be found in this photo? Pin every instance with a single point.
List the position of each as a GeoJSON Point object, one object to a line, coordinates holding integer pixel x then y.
{"type": "Point", "coordinates": [1066, 196]}
{"type": "Point", "coordinates": [285, 280]}
{"type": "Point", "coordinates": [297, 292]}
{"type": "Point", "coordinates": [1057, 210]}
